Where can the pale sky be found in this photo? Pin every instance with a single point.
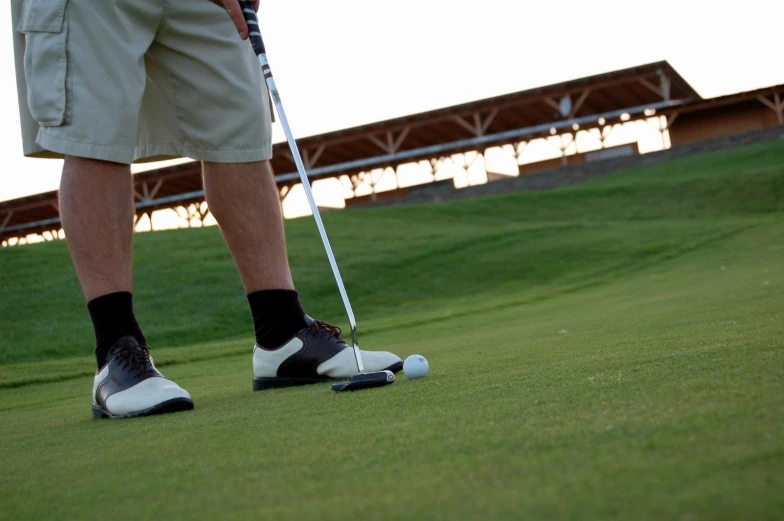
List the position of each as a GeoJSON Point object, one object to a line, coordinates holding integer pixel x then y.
{"type": "Point", "coordinates": [343, 63]}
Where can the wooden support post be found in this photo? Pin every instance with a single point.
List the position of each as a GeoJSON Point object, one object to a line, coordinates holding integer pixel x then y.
{"type": "Point", "coordinates": [7, 218]}
{"type": "Point", "coordinates": [392, 143]}
{"type": "Point", "coordinates": [776, 106]}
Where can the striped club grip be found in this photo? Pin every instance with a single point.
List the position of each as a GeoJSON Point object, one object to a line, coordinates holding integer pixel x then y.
{"type": "Point", "coordinates": [254, 32]}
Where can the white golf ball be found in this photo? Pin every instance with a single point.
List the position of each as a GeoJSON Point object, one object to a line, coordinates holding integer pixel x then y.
{"type": "Point", "coordinates": [415, 366]}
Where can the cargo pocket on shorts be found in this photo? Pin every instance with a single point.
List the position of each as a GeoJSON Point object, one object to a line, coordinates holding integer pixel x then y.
{"type": "Point", "coordinates": [45, 28]}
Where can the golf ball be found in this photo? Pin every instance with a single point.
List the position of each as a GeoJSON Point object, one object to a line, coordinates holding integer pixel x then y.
{"type": "Point", "coordinates": [415, 366]}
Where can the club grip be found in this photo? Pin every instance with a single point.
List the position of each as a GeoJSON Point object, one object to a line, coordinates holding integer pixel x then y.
{"type": "Point", "coordinates": [254, 32]}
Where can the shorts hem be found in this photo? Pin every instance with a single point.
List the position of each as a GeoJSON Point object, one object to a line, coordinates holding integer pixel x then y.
{"type": "Point", "coordinates": [49, 146]}
{"type": "Point", "coordinates": [212, 155]}
{"type": "Point", "coordinates": [69, 147]}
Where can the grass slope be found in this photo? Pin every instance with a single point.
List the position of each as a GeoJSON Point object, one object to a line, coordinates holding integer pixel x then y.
{"type": "Point", "coordinates": [609, 351]}
{"type": "Point", "coordinates": [662, 400]}
{"type": "Point", "coordinates": [406, 262]}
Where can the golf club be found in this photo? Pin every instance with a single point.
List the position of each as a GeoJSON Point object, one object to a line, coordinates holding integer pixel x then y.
{"type": "Point", "coordinates": [362, 380]}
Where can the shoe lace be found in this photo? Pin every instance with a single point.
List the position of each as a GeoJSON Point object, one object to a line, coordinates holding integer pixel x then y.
{"type": "Point", "coordinates": [327, 331]}
{"type": "Point", "coordinates": [134, 359]}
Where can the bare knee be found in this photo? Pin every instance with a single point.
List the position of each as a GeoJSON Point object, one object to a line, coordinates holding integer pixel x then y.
{"type": "Point", "coordinates": [234, 188]}
{"type": "Point", "coordinates": [85, 165]}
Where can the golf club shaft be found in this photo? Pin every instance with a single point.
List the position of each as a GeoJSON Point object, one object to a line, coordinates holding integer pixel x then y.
{"type": "Point", "coordinates": [254, 34]}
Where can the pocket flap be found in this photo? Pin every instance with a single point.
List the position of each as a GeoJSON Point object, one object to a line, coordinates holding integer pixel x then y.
{"type": "Point", "coordinates": [45, 16]}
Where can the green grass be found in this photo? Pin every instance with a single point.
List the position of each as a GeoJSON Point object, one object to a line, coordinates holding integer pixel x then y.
{"type": "Point", "coordinates": [608, 351]}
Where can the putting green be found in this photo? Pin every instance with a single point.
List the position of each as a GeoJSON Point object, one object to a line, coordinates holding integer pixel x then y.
{"type": "Point", "coordinates": [608, 351]}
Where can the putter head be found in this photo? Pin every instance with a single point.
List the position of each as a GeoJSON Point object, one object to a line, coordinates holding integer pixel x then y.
{"type": "Point", "coordinates": [365, 381]}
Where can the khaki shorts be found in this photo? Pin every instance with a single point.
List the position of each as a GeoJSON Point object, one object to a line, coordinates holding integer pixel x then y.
{"type": "Point", "coordinates": [138, 80]}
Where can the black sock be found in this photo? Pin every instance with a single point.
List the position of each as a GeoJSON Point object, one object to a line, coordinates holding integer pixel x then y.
{"type": "Point", "coordinates": [277, 316]}
{"type": "Point", "coordinates": [113, 319]}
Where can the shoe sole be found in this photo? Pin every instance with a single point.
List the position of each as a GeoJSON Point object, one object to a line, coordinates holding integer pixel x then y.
{"type": "Point", "coordinates": [263, 383]}
{"type": "Point", "coordinates": [169, 406]}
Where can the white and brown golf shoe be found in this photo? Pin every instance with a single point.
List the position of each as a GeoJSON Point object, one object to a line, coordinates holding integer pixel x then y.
{"type": "Point", "coordinates": [129, 385]}
{"type": "Point", "coordinates": [315, 354]}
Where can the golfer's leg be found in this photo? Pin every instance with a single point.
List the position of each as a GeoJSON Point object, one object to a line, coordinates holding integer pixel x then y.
{"type": "Point", "coordinates": [96, 209]}
{"type": "Point", "coordinates": [213, 80]}
{"type": "Point", "coordinates": [105, 85]}
{"type": "Point", "coordinates": [290, 348]}
{"type": "Point", "coordinates": [85, 81]}
{"type": "Point", "coordinates": [227, 125]}
{"type": "Point", "coordinates": [243, 198]}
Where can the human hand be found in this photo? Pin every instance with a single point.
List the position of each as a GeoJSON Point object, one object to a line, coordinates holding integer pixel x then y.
{"type": "Point", "coordinates": [232, 7]}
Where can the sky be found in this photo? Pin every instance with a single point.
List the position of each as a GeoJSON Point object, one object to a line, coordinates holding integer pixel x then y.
{"type": "Point", "coordinates": [343, 63]}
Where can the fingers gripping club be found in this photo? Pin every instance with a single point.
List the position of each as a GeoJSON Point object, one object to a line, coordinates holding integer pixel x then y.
{"type": "Point", "coordinates": [254, 33]}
